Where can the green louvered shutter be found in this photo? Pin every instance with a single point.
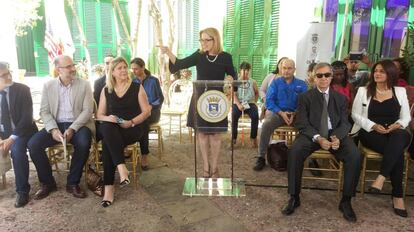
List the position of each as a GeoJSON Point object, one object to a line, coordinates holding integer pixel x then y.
{"type": "Point", "coordinates": [107, 30]}
{"type": "Point", "coordinates": [274, 35]}
{"type": "Point", "coordinates": [253, 37]}
{"type": "Point", "coordinates": [230, 24]}
{"type": "Point", "coordinates": [188, 29]}
{"type": "Point", "coordinates": [125, 50]}
{"type": "Point", "coordinates": [91, 28]}
{"type": "Point", "coordinates": [40, 53]}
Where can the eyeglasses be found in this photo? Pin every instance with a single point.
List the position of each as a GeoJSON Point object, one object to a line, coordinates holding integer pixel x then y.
{"type": "Point", "coordinates": [68, 66]}
{"type": "Point", "coordinates": [205, 40]}
{"type": "Point", "coordinates": [320, 75]}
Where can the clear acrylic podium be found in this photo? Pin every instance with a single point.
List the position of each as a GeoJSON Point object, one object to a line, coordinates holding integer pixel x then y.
{"type": "Point", "coordinates": [200, 186]}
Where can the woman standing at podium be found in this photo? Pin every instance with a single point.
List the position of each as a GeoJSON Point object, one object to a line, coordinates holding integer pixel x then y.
{"type": "Point", "coordinates": [212, 63]}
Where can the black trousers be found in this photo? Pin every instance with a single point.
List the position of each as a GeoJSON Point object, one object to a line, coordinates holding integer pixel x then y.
{"type": "Point", "coordinates": [391, 146]}
{"type": "Point", "coordinates": [114, 141]}
{"type": "Point", "coordinates": [348, 153]}
{"type": "Point", "coordinates": [254, 116]}
{"type": "Point", "coordinates": [144, 141]}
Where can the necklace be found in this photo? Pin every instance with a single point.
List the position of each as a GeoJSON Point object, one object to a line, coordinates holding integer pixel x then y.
{"type": "Point", "coordinates": [121, 90]}
{"type": "Point", "coordinates": [211, 61]}
{"type": "Point", "coordinates": [382, 91]}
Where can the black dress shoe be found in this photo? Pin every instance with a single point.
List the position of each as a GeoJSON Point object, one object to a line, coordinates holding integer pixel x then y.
{"type": "Point", "coordinates": [374, 190]}
{"type": "Point", "coordinates": [76, 191]}
{"type": "Point", "coordinates": [346, 208]}
{"type": "Point", "coordinates": [125, 182]}
{"type": "Point", "coordinates": [260, 163]}
{"type": "Point", "coordinates": [21, 200]}
{"type": "Point", "coordinates": [313, 163]}
{"type": "Point", "coordinates": [292, 204]}
{"type": "Point", "coordinates": [106, 203]}
{"type": "Point", "coordinates": [44, 191]}
{"type": "Point", "coordinates": [400, 212]}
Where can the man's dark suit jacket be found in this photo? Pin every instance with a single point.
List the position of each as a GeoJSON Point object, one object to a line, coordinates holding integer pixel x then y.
{"type": "Point", "coordinates": [21, 109]}
{"type": "Point", "coordinates": [97, 88]}
{"type": "Point", "coordinates": [309, 113]}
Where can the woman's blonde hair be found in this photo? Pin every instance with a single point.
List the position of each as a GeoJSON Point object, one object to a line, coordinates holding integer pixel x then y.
{"type": "Point", "coordinates": [213, 33]}
{"type": "Point", "coordinates": [110, 79]}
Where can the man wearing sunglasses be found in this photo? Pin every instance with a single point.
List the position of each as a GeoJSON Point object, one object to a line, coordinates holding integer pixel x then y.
{"type": "Point", "coordinates": [281, 101]}
{"type": "Point", "coordinates": [322, 121]}
{"type": "Point", "coordinates": [17, 126]}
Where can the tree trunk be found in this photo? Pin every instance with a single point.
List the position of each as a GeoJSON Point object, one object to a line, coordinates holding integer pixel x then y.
{"type": "Point", "coordinates": [82, 35]}
{"type": "Point", "coordinates": [171, 27]}
{"type": "Point", "coordinates": [116, 6]}
{"type": "Point", "coordinates": [118, 34]}
{"type": "Point", "coordinates": [162, 64]}
{"type": "Point", "coordinates": [136, 31]}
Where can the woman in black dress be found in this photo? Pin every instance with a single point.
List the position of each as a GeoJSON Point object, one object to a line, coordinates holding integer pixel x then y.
{"type": "Point", "coordinates": [212, 63]}
{"type": "Point", "coordinates": [381, 114]}
{"type": "Point", "coordinates": [123, 109]}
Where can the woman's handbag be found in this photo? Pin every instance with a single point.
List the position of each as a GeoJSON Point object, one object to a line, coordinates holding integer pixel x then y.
{"type": "Point", "coordinates": [277, 156]}
{"type": "Point", "coordinates": [94, 182]}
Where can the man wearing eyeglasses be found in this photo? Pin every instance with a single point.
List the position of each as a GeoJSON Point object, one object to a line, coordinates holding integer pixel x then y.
{"type": "Point", "coordinates": [66, 110]}
{"type": "Point", "coordinates": [322, 121]}
{"type": "Point", "coordinates": [16, 128]}
{"type": "Point", "coordinates": [281, 102]}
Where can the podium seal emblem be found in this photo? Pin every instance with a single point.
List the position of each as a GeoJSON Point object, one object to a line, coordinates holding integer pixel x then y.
{"type": "Point", "coordinates": [212, 106]}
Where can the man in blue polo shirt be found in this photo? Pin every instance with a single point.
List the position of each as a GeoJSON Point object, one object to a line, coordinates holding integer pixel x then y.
{"type": "Point", "coordinates": [281, 102]}
{"type": "Point", "coordinates": [155, 98]}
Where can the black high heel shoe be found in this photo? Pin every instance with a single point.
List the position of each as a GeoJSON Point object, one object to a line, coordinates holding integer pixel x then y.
{"type": "Point", "coordinates": [125, 182]}
{"type": "Point", "coordinates": [399, 212]}
{"type": "Point", "coordinates": [374, 190]}
{"type": "Point", "coordinates": [106, 203]}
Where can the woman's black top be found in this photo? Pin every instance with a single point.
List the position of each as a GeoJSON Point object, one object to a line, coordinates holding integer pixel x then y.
{"type": "Point", "coordinates": [384, 113]}
{"type": "Point", "coordinates": [208, 68]}
{"type": "Point", "coordinates": [126, 107]}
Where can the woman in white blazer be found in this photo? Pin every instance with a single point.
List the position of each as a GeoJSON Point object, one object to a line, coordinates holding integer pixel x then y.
{"type": "Point", "coordinates": [381, 112]}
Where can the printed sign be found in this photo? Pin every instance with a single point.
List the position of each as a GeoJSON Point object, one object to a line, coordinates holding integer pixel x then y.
{"type": "Point", "coordinates": [213, 106]}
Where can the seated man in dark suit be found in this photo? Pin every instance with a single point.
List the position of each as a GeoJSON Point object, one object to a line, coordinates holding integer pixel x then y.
{"type": "Point", "coordinates": [322, 121]}
{"type": "Point", "coordinates": [98, 85]}
{"type": "Point", "coordinates": [17, 127]}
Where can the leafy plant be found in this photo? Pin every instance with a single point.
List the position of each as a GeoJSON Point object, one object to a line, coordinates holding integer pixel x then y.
{"type": "Point", "coordinates": [408, 52]}
{"type": "Point", "coordinates": [26, 15]}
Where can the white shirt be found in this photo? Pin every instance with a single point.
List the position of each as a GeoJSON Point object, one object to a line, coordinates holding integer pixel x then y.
{"type": "Point", "coordinates": [65, 107]}
{"type": "Point", "coordinates": [329, 119]}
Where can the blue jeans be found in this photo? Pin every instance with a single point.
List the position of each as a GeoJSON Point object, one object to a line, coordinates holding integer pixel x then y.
{"type": "Point", "coordinates": [21, 163]}
{"type": "Point", "coordinates": [81, 142]}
